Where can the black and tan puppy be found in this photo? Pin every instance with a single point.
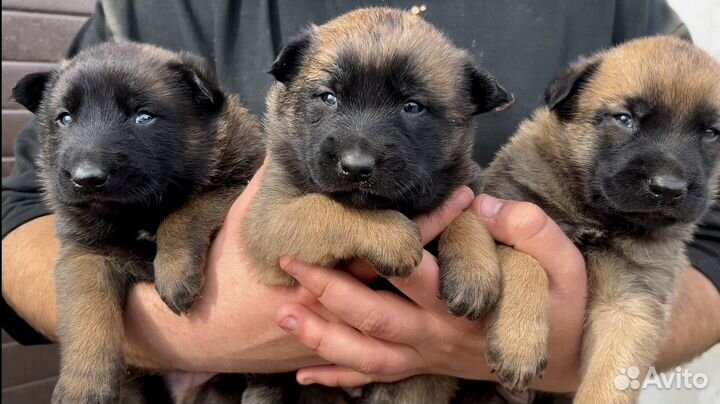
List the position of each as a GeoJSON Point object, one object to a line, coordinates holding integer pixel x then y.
{"type": "Point", "coordinates": [134, 140]}
{"type": "Point", "coordinates": [370, 124]}
{"type": "Point", "coordinates": [624, 158]}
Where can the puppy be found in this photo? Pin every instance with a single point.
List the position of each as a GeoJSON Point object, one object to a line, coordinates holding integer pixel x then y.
{"type": "Point", "coordinates": [135, 141]}
{"type": "Point", "coordinates": [370, 124]}
{"type": "Point", "coordinates": [624, 157]}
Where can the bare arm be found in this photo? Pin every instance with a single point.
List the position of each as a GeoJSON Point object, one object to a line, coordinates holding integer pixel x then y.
{"type": "Point", "coordinates": [226, 330]}
{"type": "Point", "coordinates": [232, 326]}
{"type": "Point", "coordinates": [694, 324]}
{"type": "Point", "coordinates": [28, 261]}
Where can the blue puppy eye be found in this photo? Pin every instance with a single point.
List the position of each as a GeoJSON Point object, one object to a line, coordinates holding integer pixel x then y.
{"type": "Point", "coordinates": [329, 99]}
{"type": "Point", "coordinates": [65, 119]}
{"type": "Point", "coordinates": [144, 118]}
{"type": "Point", "coordinates": [624, 120]}
{"type": "Point", "coordinates": [413, 107]}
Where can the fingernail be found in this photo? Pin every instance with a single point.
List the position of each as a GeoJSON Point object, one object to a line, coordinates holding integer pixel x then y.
{"type": "Point", "coordinates": [307, 380]}
{"type": "Point", "coordinates": [490, 206]}
{"type": "Point", "coordinates": [289, 324]}
{"type": "Point", "coordinates": [289, 265]}
{"type": "Point", "coordinates": [466, 196]}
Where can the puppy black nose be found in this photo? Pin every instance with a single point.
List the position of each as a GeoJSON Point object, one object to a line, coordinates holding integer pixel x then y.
{"type": "Point", "coordinates": [668, 188]}
{"type": "Point", "coordinates": [356, 164]}
{"type": "Point", "coordinates": [88, 175]}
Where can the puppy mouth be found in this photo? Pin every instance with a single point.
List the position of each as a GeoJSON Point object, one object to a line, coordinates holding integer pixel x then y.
{"type": "Point", "coordinates": [645, 208]}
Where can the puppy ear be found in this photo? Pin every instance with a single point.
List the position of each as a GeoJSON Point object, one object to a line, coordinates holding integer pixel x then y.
{"type": "Point", "coordinates": [287, 64]}
{"type": "Point", "coordinates": [487, 94]}
{"type": "Point", "coordinates": [202, 83]}
{"type": "Point", "coordinates": [29, 90]}
{"type": "Point", "coordinates": [561, 96]}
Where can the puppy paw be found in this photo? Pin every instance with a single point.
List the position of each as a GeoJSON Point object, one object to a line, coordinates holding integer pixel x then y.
{"type": "Point", "coordinates": [83, 392]}
{"type": "Point", "coordinates": [470, 278]}
{"type": "Point", "coordinates": [469, 290]}
{"type": "Point", "coordinates": [178, 280]}
{"type": "Point", "coordinates": [398, 252]}
{"type": "Point", "coordinates": [516, 362]}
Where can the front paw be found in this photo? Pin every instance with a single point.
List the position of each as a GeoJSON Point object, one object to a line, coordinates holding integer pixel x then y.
{"type": "Point", "coordinates": [83, 392]}
{"type": "Point", "coordinates": [470, 286]}
{"type": "Point", "coordinates": [516, 362]}
{"type": "Point", "coordinates": [178, 280]}
{"type": "Point", "coordinates": [397, 252]}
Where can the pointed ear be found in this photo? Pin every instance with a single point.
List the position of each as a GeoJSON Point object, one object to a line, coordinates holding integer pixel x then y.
{"type": "Point", "coordinates": [287, 64]}
{"type": "Point", "coordinates": [29, 90]}
{"type": "Point", "coordinates": [486, 93]}
{"type": "Point", "coordinates": [200, 80]}
{"type": "Point", "coordinates": [561, 96]}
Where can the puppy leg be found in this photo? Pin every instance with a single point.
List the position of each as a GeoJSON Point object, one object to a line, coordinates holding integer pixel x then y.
{"type": "Point", "coordinates": [624, 330]}
{"type": "Point", "coordinates": [422, 389]}
{"type": "Point", "coordinates": [183, 241]}
{"type": "Point", "coordinates": [320, 231]}
{"type": "Point", "coordinates": [470, 280]}
{"type": "Point", "coordinates": [518, 328]}
{"type": "Point", "coordinates": [91, 294]}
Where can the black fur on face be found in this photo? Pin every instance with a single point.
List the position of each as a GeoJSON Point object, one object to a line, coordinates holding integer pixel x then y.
{"type": "Point", "coordinates": [372, 147]}
{"type": "Point", "coordinates": [652, 166]}
{"type": "Point", "coordinates": [123, 126]}
{"type": "Point", "coordinates": [653, 163]}
{"type": "Point", "coordinates": [377, 135]}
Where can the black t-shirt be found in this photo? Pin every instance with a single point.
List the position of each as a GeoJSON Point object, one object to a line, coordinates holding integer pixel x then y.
{"type": "Point", "coordinates": [524, 43]}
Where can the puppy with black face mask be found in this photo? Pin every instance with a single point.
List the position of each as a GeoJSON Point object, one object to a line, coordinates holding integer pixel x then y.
{"type": "Point", "coordinates": [370, 124]}
{"type": "Point", "coordinates": [137, 142]}
{"type": "Point", "coordinates": [625, 158]}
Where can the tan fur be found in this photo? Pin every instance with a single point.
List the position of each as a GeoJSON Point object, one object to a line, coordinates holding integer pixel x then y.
{"type": "Point", "coordinates": [466, 254]}
{"type": "Point", "coordinates": [631, 280]}
{"type": "Point", "coordinates": [423, 389]}
{"type": "Point", "coordinates": [317, 230]}
{"type": "Point", "coordinates": [90, 323]}
{"type": "Point", "coordinates": [524, 280]}
{"type": "Point", "coordinates": [93, 274]}
{"type": "Point", "coordinates": [183, 241]}
{"type": "Point", "coordinates": [286, 220]}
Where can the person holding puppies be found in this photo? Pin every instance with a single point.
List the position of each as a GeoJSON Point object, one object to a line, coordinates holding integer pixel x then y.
{"type": "Point", "coordinates": [235, 308]}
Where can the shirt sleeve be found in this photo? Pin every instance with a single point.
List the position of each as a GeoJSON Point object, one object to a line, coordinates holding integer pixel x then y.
{"type": "Point", "coordinates": [21, 193]}
{"type": "Point", "coordinates": [704, 251]}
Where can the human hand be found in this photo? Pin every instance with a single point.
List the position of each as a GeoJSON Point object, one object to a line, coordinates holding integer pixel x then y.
{"type": "Point", "coordinates": [384, 337]}
{"type": "Point", "coordinates": [231, 327]}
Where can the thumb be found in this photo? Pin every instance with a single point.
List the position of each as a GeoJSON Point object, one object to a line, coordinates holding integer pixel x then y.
{"type": "Point", "coordinates": [527, 228]}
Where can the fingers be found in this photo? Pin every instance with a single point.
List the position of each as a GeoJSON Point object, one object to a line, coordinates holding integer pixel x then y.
{"type": "Point", "coordinates": [383, 315]}
{"type": "Point", "coordinates": [343, 345]}
{"type": "Point", "coordinates": [423, 285]}
{"type": "Point", "coordinates": [528, 229]}
{"type": "Point", "coordinates": [435, 222]}
{"type": "Point", "coordinates": [339, 376]}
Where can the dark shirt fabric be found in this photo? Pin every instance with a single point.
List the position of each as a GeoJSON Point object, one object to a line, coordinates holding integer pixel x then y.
{"type": "Point", "coordinates": [524, 43]}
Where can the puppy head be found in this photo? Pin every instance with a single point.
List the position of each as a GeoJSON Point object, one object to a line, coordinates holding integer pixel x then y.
{"type": "Point", "coordinates": [641, 122]}
{"type": "Point", "coordinates": [375, 109]}
{"type": "Point", "coordinates": [122, 123]}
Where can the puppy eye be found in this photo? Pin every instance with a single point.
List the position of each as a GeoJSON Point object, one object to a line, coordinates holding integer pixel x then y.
{"type": "Point", "coordinates": [143, 118]}
{"type": "Point", "coordinates": [413, 107]}
{"type": "Point", "coordinates": [711, 135]}
{"type": "Point", "coordinates": [329, 99]}
{"type": "Point", "coordinates": [64, 119]}
{"type": "Point", "coordinates": [624, 120]}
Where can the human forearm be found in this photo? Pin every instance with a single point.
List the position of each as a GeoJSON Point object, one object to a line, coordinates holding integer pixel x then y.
{"type": "Point", "coordinates": [227, 330]}
{"type": "Point", "coordinates": [28, 262]}
{"type": "Point", "coordinates": [694, 324]}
